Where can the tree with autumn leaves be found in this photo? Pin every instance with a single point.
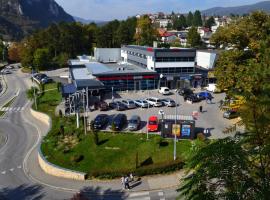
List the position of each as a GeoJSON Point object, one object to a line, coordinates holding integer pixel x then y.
{"type": "Point", "coordinates": [239, 167]}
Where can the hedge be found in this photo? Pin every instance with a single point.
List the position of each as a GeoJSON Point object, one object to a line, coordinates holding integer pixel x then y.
{"type": "Point", "coordinates": [159, 168]}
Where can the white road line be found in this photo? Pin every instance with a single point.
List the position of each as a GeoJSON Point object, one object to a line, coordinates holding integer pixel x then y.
{"type": "Point", "coordinates": [12, 169]}
{"type": "Point", "coordinates": [137, 194]}
{"type": "Point", "coordinates": [141, 198]}
{"type": "Point", "coordinates": [19, 167]}
{"type": "Point", "coordinates": [3, 172]}
{"type": "Point", "coordinates": [160, 194]}
{"type": "Point", "coordinates": [18, 109]}
{"type": "Point", "coordinates": [162, 199]}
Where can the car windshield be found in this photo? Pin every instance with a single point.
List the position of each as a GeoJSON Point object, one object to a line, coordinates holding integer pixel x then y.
{"type": "Point", "coordinates": [158, 100]}
{"type": "Point", "coordinates": [166, 90]}
{"type": "Point", "coordinates": [130, 102]}
{"type": "Point", "coordinates": [134, 121]}
{"type": "Point", "coordinates": [152, 122]}
{"type": "Point", "coordinates": [143, 101]}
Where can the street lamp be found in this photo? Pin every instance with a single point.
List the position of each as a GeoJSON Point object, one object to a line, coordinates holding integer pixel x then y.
{"type": "Point", "coordinates": [147, 133]}
{"type": "Point", "coordinates": [35, 99]}
{"type": "Point", "coordinates": [84, 120]}
{"type": "Point", "coordinates": [174, 149]}
{"type": "Point", "coordinates": [112, 95]}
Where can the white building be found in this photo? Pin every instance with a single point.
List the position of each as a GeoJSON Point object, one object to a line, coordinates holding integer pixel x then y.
{"type": "Point", "coordinates": [107, 55]}
{"type": "Point", "coordinates": [206, 59]}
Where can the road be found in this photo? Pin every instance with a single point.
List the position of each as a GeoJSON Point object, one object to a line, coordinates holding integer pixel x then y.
{"type": "Point", "coordinates": [20, 175]}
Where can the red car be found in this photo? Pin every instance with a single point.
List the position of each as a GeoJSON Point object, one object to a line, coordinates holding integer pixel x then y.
{"type": "Point", "coordinates": [153, 124]}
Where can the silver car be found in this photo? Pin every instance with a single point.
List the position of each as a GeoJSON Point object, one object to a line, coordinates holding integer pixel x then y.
{"type": "Point", "coordinates": [142, 103]}
{"type": "Point", "coordinates": [134, 123]}
{"type": "Point", "coordinates": [168, 102]}
{"type": "Point", "coordinates": [129, 103]}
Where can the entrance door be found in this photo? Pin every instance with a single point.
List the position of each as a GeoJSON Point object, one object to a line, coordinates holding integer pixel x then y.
{"type": "Point", "coordinates": [137, 86]}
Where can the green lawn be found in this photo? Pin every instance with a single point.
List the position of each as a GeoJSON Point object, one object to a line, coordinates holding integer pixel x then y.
{"type": "Point", "coordinates": [116, 152]}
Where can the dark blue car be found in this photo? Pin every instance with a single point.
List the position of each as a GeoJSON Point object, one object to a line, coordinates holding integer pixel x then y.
{"type": "Point", "coordinates": [205, 95]}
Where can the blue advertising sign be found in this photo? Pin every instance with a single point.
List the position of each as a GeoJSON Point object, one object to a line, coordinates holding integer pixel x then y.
{"type": "Point", "coordinates": [186, 130]}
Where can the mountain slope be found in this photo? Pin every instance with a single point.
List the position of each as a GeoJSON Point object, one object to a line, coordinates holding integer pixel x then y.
{"type": "Point", "coordinates": [21, 17]}
{"type": "Point", "coordinates": [240, 10]}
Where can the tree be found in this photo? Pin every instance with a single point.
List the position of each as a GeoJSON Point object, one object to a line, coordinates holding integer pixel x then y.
{"type": "Point", "coordinates": [245, 72]}
{"type": "Point", "coordinates": [210, 22]}
{"type": "Point", "coordinates": [14, 53]}
{"type": "Point", "coordinates": [145, 34]}
{"type": "Point", "coordinates": [197, 19]}
{"type": "Point", "coordinates": [193, 37]}
{"type": "Point", "coordinates": [41, 58]}
{"type": "Point", "coordinates": [182, 21]}
{"type": "Point", "coordinates": [189, 19]}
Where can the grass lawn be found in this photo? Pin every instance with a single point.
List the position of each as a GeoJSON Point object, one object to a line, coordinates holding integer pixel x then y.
{"type": "Point", "coordinates": [114, 152]}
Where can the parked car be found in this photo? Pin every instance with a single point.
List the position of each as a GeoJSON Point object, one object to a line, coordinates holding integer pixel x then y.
{"type": "Point", "coordinates": [192, 98]}
{"type": "Point", "coordinates": [6, 71]}
{"type": "Point", "coordinates": [141, 103]}
{"type": "Point", "coordinates": [204, 95]}
{"type": "Point", "coordinates": [103, 106]}
{"type": "Point", "coordinates": [153, 101]}
{"type": "Point", "coordinates": [134, 123]}
{"type": "Point", "coordinates": [119, 121]}
{"type": "Point", "coordinates": [164, 91]}
{"type": "Point", "coordinates": [168, 102]}
{"type": "Point", "coordinates": [101, 121]}
{"type": "Point", "coordinates": [185, 92]}
{"type": "Point", "coordinates": [152, 124]}
{"type": "Point", "coordinates": [212, 87]}
{"type": "Point", "coordinates": [117, 105]}
{"type": "Point", "coordinates": [230, 114]}
{"type": "Point", "coordinates": [129, 103]}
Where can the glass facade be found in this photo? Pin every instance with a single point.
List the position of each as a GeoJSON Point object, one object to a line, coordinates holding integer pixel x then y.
{"type": "Point", "coordinates": [130, 83]}
{"type": "Point", "coordinates": [175, 70]}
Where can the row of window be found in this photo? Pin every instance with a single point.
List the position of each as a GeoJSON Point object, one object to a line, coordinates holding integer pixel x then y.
{"type": "Point", "coordinates": [175, 59]}
{"type": "Point", "coordinates": [175, 70]}
{"type": "Point", "coordinates": [136, 54]}
{"type": "Point", "coordinates": [123, 85]}
{"type": "Point", "coordinates": [136, 63]}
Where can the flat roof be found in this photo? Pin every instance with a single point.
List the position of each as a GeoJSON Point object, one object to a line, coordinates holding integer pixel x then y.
{"type": "Point", "coordinates": [151, 49]}
{"type": "Point", "coordinates": [81, 73]}
{"type": "Point", "coordinates": [97, 68]}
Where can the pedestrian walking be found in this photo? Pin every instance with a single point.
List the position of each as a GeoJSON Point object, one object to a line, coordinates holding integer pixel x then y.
{"type": "Point", "coordinates": [123, 182]}
{"type": "Point", "coordinates": [131, 177]}
{"type": "Point", "coordinates": [127, 183]}
{"type": "Point", "coordinates": [200, 108]}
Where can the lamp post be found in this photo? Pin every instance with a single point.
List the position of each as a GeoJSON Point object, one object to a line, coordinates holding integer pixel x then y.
{"type": "Point", "coordinates": [112, 95]}
{"type": "Point", "coordinates": [174, 149]}
{"type": "Point", "coordinates": [84, 120]}
{"type": "Point", "coordinates": [147, 133]}
{"type": "Point", "coordinates": [35, 99]}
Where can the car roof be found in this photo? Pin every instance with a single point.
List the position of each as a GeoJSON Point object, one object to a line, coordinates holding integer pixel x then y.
{"type": "Point", "coordinates": [101, 115]}
{"type": "Point", "coordinates": [134, 117]}
{"type": "Point", "coordinates": [153, 118]}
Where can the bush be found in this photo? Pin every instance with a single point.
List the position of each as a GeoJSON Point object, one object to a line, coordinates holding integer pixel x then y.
{"type": "Point", "coordinates": [159, 168]}
{"type": "Point", "coordinates": [201, 137]}
{"type": "Point", "coordinates": [77, 158]}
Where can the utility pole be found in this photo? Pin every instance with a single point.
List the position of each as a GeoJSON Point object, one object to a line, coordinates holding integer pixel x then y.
{"type": "Point", "coordinates": [35, 99]}
{"type": "Point", "coordinates": [147, 135]}
{"type": "Point", "coordinates": [84, 120]}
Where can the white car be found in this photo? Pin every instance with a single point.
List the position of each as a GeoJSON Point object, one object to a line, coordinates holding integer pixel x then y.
{"type": "Point", "coordinates": [164, 90]}
{"type": "Point", "coordinates": [212, 87]}
{"type": "Point", "coordinates": [153, 101]}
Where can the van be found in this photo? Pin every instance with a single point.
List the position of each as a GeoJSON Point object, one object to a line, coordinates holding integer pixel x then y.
{"type": "Point", "coordinates": [212, 87]}
{"type": "Point", "coordinates": [164, 91]}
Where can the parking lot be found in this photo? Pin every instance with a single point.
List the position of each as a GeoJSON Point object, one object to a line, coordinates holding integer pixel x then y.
{"type": "Point", "coordinates": [210, 118]}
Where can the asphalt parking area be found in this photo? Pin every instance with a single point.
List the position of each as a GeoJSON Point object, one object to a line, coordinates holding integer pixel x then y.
{"type": "Point", "coordinates": [211, 117]}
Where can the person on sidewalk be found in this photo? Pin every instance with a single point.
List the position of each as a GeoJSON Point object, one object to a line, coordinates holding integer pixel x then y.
{"type": "Point", "coordinates": [123, 182]}
{"type": "Point", "coordinates": [127, 183]}
{"type": "Point", "coordinates": [131, 177]}
{"type": "Point", "coordinates": [201, 108]}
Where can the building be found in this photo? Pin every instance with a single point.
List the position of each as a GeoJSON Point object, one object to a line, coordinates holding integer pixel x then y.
{"type": "Point", "coordinates": [96, 76]}
{"type": "Point", "coordinates": [206, 59]}
{"type": "Point", "coordinates": [175, 66]}
{"type": "Point", "coordinates": [107, 55]}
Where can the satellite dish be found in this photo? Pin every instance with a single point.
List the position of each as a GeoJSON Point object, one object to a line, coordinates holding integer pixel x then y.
{"type": "Point", "coordinates": [161, 76]}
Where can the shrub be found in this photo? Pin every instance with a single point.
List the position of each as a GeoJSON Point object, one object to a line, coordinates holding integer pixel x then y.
{"type": "Point", "coordinates": [62, 130]}
{"type": "Point", "coordinates": [77, 158]}
{"type": "Point", "coordinates": [201, 137]}
{"type": "Point", "coordinates": [113, 127]}
{"type": "Point", "coordinates": [159, 168]}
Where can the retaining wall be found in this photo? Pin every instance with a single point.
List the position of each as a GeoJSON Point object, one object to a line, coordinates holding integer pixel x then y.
{"type": "Point", "coordinates": [48, 167]}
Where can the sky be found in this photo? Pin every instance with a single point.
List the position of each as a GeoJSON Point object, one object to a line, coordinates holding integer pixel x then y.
{"type": "Point", "coordinates": [107, 10]}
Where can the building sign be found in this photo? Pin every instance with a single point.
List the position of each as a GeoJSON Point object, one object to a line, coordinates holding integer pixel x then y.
{"type": "Point", "coordinates": [176, 130]}
{"type": "Point", "coordinates": [137, 77]}
{"type": "Point", "coordinates": [186, 130]}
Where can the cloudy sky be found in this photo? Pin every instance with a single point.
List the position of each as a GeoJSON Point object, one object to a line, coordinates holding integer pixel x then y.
{"type": "Point", "coordinates": [121, 9]}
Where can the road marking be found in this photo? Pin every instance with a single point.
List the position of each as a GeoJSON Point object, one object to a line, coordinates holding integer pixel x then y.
{"type": "Point", "coordinates": [162, 199]}
{"type": "Point", "coordinates": [3, 172]}
{"type": "Point", "coordinates": [12, 169]}
{"type": "Point", "coordinates": [19, 167]}
{"type": "Point", "coordinates": [160, 194]}
{"type": "Point", "coordinates": [137, 194]}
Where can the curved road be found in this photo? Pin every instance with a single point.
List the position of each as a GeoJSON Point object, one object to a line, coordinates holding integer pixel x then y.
{"type": "Point", "coordinates": [20, 175]}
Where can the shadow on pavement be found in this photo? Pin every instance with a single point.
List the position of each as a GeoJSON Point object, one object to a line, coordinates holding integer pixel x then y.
{"type": "Point", "coordinates": [22, 192]}
{"type": "Point", "coordinates": [89, 193]}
